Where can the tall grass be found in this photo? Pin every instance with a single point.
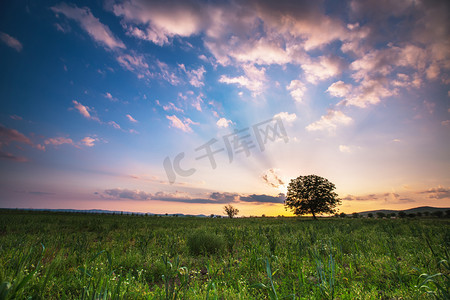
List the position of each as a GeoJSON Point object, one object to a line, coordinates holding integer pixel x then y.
{"type": "Point", "coordinates": [134, 257]}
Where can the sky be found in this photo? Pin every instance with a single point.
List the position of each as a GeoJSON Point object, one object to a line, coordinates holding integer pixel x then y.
{"type": "Point", "coordinates": [185, 106]}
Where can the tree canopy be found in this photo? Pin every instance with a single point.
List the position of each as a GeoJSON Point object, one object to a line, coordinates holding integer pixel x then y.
{"type": "Point", "coordinates": [311, 194]}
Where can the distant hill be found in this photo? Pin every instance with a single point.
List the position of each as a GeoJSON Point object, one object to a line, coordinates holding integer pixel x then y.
{"type": "Point", "coordinates": [414, 210]}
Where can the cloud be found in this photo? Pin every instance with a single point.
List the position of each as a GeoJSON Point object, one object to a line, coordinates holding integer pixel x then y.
{"type": "Point", "coordinates": [223, 123]}
{"type": "Point", "coordinates": [158, 22]}
{"type": "Point", "coordinates": [183, 125]}
{"type": "Point", "coordinates": [9, 156]}
{"type": "Point", "coordinates": [92, 25]}
{"type": "Point", "coordinates": [16, 117]}
{"type": "Point", "coordinates": [57, 141]}
{"type": "Point", "coordinates": [128, 194]}
{"type": "Point", "coordinates": [114, 124]}
{"type": "Point", "coordinates": [390, 197]}
{"type": "Point", "coordinates": [370, 197]}
{"type": "Point", "coordinates": [131, 119]}
{"type": "Point", "coordinates": [297, 90]}
{"type": "Point", "coordinates": [195, 101]}
{"type": "Point", "coordinates": [172, 106]}
{"type": "Point", "coordinates": [302, 34]}
{"type": "Point", "coordinates": [183, 197]}
{"type": "Point", "coordinates": [286, 116]}
{"type": "Point", "coordinates": [88, 141]}
{"type": "Point", "coordinates": [330, 121]}
{"type": "Point", "coordinates": [8, 135]}
{"type": "Point", "coordinates": [322, 68]}
{"type": "Point", "coordinates": [135, 63]}
{"type": "Point", "coordinates": [224, 197]}
{"type": "Point", "coordinates": [195, 76]}
{"type": "Point", "coordinates": [167, 74]}
{"type": "Point", "coordinates": [271, 178]}
{"type": "Point", "coordinates": [84, 111]}
{"type": "Point", "coordinates": [11, 42]}
{"type": "Point", "coordinates": [345, 149]}
{"type": "Point", "coordinates": [110, 97]}
{"type": "Point", "coordinates": [253, 80]}
{"type": "Point", "coordinates": [437, 192]}
{"type": "Point", "coordinates": [339, 89]}
{"type": "Point", "coordinates": [263, 198]}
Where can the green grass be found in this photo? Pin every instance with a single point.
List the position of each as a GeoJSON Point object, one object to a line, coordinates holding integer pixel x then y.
{"type": "Point", "coordinates": [78, 256]}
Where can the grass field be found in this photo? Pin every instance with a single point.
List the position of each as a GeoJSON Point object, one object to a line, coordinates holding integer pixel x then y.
{"type": "Point", "coordinates": [80, 256]}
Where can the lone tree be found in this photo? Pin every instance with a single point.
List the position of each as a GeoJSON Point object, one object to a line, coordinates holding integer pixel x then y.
{"type": "Point", "coordinates": [230, 210]}
{"type": "Point", "coordinates": [311, 194]}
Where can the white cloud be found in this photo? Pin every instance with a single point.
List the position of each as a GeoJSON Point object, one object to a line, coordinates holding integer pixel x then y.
{"type": "Point", "coordinates": [322, 68]}
{"type": "Point", "coordinates": [370, 91]}
{"type": "Point", "coordinates": [330, 121]}
{"type": "Point", "coordinates": [195, 76]}
{"type": "Point", "coordinates": [167, 74]}
{"type": "Point", "coordinates": [161, 20]}
{"type": "Point", "coordinates": [223, 123]}
{"type": "Point", "coordinates": [183, 125]}
{"type": "Point", "coordinates": [134, 63]}
{"type": "Point", "coordinates": [339, 89]}
{"type": "Point", "coordinates": [286, 116]}
{"type": "Point", "coordinates": [253, 80]}
{"type": "Point", "coordinates": [172, 106]}
{"type": "Point", "coordinates": [131, 119]}
{"type": "Point", "coordinates": [297, 90]}
{"type": "Point", "coordinates": [92, 25]}
{"type": "Point", "coordinates": [11, 42]}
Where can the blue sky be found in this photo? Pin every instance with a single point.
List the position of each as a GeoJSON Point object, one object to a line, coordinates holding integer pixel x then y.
{"type": "Point", "coordinates": [95, 97]}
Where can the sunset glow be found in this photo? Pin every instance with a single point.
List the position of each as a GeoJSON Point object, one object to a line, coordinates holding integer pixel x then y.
{"type": "Point", "coordinates": [114, 105]}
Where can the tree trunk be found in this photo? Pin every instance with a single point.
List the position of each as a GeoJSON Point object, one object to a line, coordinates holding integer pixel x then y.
{"type": "Point", "coordinates": [314, 215]}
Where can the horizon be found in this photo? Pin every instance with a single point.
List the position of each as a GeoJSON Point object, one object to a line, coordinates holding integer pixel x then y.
{"type": "Point", "coordinates": [105, 211]}
{"type": "Point", "coordinates": [183, 107]}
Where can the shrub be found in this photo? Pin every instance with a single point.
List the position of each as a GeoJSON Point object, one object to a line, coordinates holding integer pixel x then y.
{"type": "Point", "coordinates": [202, 242]}
{"type": "Point", "coordinates": [401, 214]}
{"type": "Point", "coordinates": [381, 215]}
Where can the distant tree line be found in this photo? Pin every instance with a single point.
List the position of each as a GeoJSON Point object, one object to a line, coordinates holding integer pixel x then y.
{"type": "Point", "coordinates": [400, 214]}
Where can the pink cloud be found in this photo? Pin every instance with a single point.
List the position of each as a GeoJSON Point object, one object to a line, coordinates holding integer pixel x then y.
{"type": "Point", "coordinates": [57, 141]}
{"type": "Point", "coordinates": [8, 135]}
{"type": "Point", "coordinates": [11, 42]}
{"type": "Point", "coordinates": [131, 119]}
{"type": "Point", "coordinates": [183, 125]}
{"type": "Point", "coordinates": [172, 106]}
{"type": "Point", "coordinates": [83, 110]}
{"type": "Point", "coordinates": [88, 141]}
{"type": "Point", "coordinates": [114, 124]}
